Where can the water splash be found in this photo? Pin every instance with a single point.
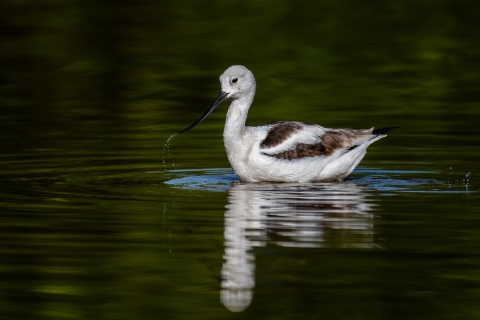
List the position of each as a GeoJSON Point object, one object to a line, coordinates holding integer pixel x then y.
{"type": "Point", "coordinates": [167, 147]}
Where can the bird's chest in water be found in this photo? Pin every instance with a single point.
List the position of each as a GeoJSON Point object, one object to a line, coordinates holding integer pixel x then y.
{"type": "Point", "coordinates": [240, 153]}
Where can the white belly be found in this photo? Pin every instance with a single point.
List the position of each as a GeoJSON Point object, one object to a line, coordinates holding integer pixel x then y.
{"type": "Point", "coordinates": [250, 165]}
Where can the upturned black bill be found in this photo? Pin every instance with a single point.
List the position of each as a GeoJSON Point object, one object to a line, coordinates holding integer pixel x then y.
{"type": "Point", "coordinates": [221, 97]}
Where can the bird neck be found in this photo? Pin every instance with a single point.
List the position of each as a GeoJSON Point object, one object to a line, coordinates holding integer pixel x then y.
{"type": "Point", "coordinates": [237, 116]}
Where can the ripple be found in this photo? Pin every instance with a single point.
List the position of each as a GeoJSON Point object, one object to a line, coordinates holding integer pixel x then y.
{"type": "Point", "coordinates": [384, 181]}
{"type": "Point", "coordinates": [214, 179]}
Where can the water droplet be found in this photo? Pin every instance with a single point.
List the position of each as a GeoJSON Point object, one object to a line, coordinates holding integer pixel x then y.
{"type": "Point", "coordinates": [167, 147]}
{"type": "Point", "coordinates": [468, 173]}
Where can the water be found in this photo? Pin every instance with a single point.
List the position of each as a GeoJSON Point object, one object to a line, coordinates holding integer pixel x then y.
{"type": "Point", "coordinates": [166, 150]}
{"type": "Point", "coordinates": [103, 216]}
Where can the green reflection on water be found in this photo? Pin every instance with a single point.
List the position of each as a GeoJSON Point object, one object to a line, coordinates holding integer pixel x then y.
{"type": "Point", "coordinates": [90, 92]}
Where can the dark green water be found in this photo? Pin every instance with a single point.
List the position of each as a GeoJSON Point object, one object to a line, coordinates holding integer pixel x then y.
{"type": "Point", "coordinates": [99, 220]}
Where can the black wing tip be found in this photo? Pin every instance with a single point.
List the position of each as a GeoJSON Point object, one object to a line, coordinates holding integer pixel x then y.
{"type": "Point", "coordinates": [383, 130]}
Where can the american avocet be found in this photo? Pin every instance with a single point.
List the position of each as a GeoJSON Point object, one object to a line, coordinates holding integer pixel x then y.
{"type": "Point", "coordinates": [284, 151]}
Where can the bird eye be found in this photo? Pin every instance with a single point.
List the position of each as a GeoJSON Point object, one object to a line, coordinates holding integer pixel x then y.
{"type": "Point", "coordinates": [234, 80]}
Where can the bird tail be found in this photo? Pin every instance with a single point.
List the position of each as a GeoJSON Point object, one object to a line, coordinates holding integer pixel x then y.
{"type": "Point", "coordinates": [383, 130]}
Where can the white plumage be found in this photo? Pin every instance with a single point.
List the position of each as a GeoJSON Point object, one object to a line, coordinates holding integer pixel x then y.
{"type": "Point", "coordinates": [284, 151]}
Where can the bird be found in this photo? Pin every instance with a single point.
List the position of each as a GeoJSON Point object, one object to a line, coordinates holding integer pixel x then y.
{"type": "Point", "coordinates": [284, 151]}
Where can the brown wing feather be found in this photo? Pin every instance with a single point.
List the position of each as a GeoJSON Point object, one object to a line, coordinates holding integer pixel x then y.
{"type": "Point", "coordinates": [330, 142]}
{"type": "Point", "coordinates": [279, 132]}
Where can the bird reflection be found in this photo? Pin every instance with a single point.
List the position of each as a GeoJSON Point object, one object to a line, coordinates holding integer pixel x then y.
{"type": "Point", "coordinates": [318, 215]}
